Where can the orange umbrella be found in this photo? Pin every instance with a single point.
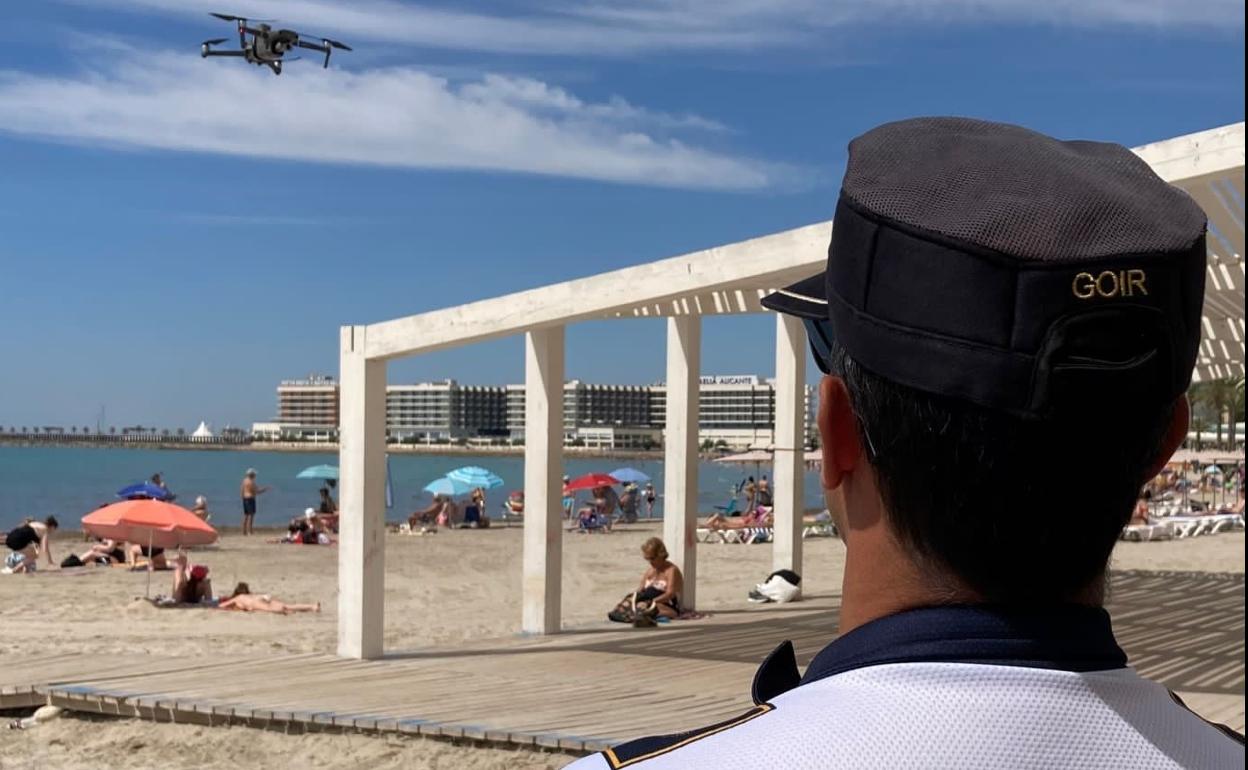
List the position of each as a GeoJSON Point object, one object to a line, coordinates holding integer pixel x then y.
{"type": "Point", "coordinates": [156, 523]}
{"type": "Point", "coordinates": [159, 524]}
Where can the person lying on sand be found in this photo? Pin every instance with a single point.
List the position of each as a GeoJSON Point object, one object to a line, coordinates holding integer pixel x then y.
{"type": "Point", "coordinates": [103, 552]}
{"type": "Point", "coordinates": [243, 600]}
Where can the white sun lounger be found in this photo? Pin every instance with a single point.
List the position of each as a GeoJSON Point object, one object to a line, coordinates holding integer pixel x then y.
{"type": "Point", "coordinates": [1145, 532]}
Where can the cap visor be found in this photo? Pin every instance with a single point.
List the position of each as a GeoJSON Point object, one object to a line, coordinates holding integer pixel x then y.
{"type": "Point", "coordinates": [805, 299]}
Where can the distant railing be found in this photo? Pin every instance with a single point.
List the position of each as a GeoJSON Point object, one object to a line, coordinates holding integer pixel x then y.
{"type": "Point", "coordinates": [123, 438]}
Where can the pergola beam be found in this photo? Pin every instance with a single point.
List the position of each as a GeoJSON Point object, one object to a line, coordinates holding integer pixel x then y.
{"type": "Point", "coordinates": [772, 260]}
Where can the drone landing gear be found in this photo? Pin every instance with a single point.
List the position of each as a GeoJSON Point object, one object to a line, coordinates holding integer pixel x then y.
{"type": "Point", "coordinates": [276, 66]}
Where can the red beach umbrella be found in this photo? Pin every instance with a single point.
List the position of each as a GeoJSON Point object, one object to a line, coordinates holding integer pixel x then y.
{"type": "Point", "coordinates": [590, 481]}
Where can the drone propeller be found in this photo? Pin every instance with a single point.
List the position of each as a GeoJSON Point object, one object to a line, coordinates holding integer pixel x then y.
{"type": "Point", "coordinates": [216, 41]}
{"type": "Point", "coordinates": [228, 17]}
{"type": "Point", "coordinates": [336, 44]}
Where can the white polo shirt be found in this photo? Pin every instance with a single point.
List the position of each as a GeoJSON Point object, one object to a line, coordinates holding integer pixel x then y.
{"type": "Point", "coordinates": [951, 687]}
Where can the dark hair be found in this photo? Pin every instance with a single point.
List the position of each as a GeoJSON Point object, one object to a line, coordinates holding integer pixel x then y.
{"type": "Point", "coordinates": [52, 522]}
{"type": "Point", "coordinates": [240, 589]}
{"type": "Point", "coordinates": [970, 490]}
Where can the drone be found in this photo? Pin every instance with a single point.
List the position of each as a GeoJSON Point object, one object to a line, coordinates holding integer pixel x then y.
{"type": "Point", "coordinates": [267, 46]}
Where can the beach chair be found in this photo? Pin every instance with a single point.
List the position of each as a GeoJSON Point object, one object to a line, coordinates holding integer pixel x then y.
{"type": "Point", "coordinates": [1142, 533]}
{"type": "Point", "coordinates": [509, 515]}
{"type": "Point", "coordinates": [1190, 526]}
{"type": "Point", "coordinates": [819, 525]}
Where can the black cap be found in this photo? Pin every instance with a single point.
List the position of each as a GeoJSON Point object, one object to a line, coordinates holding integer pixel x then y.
{"type": "Point", "coordinates": [996, 265]}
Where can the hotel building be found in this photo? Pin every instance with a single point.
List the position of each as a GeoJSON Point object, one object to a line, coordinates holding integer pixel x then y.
{"type": "Point", "coordinates": [735, 411]}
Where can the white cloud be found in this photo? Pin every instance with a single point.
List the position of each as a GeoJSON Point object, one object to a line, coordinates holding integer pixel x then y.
{"type": "Point", "coordinates": [625, 27]}
{"type": "Point", "coordinates": [399, 117]}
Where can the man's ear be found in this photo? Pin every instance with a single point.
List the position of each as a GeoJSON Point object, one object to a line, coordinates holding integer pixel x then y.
{"type": "Point", "coordinates": [838, 432]}
{"type": "Point", "coordinates": [1176, 433]}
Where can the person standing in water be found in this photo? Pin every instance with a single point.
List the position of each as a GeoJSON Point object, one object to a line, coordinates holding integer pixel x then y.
{"type": "Point", "coordinates": [250, 490]}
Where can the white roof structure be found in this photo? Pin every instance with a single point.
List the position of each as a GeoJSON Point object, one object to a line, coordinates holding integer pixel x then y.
{"type": "Point", "coordinates": [729, 279]}
{"type": "Point", "coordinates": [1209, 165]}
{"type": "Point", "coordinates": [202, 431]}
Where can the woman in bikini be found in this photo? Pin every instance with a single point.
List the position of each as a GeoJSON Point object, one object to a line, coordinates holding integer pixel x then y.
{"type": "Point", "coordinates": [661, 583]}
{"type": "Point", "coordinates": [243, 600]}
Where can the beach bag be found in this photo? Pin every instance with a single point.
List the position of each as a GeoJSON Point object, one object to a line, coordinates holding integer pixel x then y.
{"type": "Point", "coordinates": [781, 586]}
{"type": "Point", "coordinates": [626, 611]}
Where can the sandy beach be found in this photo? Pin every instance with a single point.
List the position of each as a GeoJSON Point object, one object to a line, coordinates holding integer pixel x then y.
{"type": "Point", "coordinates": [441, 589]}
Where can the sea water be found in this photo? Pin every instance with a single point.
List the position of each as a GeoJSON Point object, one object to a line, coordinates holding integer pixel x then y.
{"type": "Point", "coordinates": [70, 482]}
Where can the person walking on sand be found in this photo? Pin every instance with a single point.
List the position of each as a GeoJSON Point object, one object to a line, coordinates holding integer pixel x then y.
{"type": "Point", "coordinates": [250, 490]}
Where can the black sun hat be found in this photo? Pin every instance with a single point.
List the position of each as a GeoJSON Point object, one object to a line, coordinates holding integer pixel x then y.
{"type": "Point", "coordinates": [996, 265]}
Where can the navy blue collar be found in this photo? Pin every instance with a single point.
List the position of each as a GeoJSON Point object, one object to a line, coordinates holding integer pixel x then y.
{"type": "Point", "coordinates": [1067, 638]}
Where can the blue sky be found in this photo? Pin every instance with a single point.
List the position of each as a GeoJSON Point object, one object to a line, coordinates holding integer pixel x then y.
{"type": "Point", "coordinates": [177, 234]}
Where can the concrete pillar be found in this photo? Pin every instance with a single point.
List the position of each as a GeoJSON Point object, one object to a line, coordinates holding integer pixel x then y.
{"type": "Point", "coordinates": [362, 499]}
{"type": "Point", "coordinates": [680, 471]}
{"type": "Point", "coordinates": [789, 468]}
{"type": "Point", "coordinates": [543, 486]}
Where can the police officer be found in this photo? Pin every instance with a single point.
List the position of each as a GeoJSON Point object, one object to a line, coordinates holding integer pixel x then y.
{"type": "Point", "coordinates": [995, 302]}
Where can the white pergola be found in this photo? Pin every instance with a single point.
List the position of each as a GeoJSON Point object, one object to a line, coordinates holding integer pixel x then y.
{"type": "Point", "coordinates": [1209, 165]}
{"type": "Point", "coordinates": [719, 281]}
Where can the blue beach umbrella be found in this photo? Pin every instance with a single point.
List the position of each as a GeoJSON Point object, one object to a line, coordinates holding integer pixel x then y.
{"type": "Point", "coordinates": [448, 486]}
{"type": "Point", "coordinates": [143, 490]}
{"type": "Point", "coordinates": [319, 472]}
{"type": "Point", "coordinates": [630, 476]}
{"type": "Point", "coordinates": [475, 477]}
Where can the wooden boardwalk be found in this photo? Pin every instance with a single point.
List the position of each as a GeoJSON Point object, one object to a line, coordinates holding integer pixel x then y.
{"type": "Point", "coordinates": [587, 688]}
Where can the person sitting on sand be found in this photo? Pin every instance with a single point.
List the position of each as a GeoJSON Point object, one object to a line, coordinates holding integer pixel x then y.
{"type": "Point", "coordinates": [155, 556]}
{"type": "Point", "coordinates": [243, 600]}
{"type": "Point", "coordinates": [190, 583]}
{"type": "Point", "coordinates": [659, 591]}
{"type": "Point", "coordinates": [449, 516]}
{"type": "Point", "coordinates": [200, 508]}
{"type": "Point", "coordinates": [427, 516]}
{"type": "Point", "coordinates": [27, 542]}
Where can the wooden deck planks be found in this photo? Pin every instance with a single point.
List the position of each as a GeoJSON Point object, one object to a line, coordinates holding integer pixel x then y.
{"type": "Point", "coordinates": [589, 688]}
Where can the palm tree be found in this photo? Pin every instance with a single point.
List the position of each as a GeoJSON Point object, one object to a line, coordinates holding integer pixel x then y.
{"type": "Point", "coordinates": [112, 430]}
{"type": "Point", "coordinates": [1216, 399]}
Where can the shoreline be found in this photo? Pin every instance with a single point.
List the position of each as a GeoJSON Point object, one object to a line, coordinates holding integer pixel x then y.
{"type": "Point", "coordinates": [450, 450]}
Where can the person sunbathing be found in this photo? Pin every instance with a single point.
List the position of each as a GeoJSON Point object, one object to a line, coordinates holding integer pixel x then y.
{"type": "Point", "coordinates": [243, 600]}
{"type": "Point", "coordinates": [719, 521]}
{"type": "Point", "coordinates": [155, 556]}
{"type": "Point", "coordinates": [104, 552]}
{"type": "Point", "coordinates": [190, 583]}
{"type": "Point", "coordinates": [426, 516]}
